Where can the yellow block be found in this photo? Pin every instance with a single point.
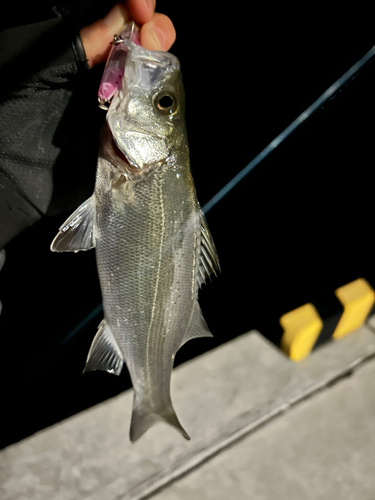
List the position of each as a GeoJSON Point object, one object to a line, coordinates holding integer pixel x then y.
{"type": "Point", "coordinates": [357, 298]}
{"type": "Point", "coordinates": [301, 330]}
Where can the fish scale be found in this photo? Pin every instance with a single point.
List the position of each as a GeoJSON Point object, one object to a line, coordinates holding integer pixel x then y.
{"type": "Point", "coordinates": [153, 246]}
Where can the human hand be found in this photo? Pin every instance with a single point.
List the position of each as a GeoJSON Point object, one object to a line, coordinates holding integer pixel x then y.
{"type": "Point", "coordinates": [157, 31]}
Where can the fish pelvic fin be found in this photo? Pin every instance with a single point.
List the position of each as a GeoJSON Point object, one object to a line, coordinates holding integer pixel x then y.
{"type": "Point", "coordinates": [78, 231]}
{"type": "Point", "coordinates": [144, 417]}
{"type": "Point", "coordinates": [104, 352]}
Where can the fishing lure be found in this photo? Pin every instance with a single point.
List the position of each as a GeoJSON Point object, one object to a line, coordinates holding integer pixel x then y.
{"type": "Point", "coordinates": [114, 68]}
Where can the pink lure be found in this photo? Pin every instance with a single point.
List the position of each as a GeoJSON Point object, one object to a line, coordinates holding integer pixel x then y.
{"type": "Point", "coordinates": [114, 68]}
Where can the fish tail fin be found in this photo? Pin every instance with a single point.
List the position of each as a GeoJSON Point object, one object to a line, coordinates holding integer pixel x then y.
{"type": "Point", "coordinates": [144, 417]}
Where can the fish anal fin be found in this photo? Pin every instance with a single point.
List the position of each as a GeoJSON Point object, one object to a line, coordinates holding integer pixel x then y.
{"type": "Point", "coordinates": [78, 231]}
{"type": "Point", "coordinates": [144, 417]}
{"type": "Point", "coordinates": [197, 327]}
{"type": "Point", "coordinates": [104, 352]}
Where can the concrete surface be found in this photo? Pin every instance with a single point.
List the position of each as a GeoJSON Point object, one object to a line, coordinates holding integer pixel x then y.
{"type": "Point", "coordinates": [219, 397]}
{"type": "Point", "coordinates": [322, 449]}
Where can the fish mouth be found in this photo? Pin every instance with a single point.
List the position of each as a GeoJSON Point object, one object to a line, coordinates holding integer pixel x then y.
{"type": "Point", "coordinates": [112, 152]}
{"type": "Point", "coordinates": [141, 148]}
{"type": "Point", "coordinates": [118, 153]}
{"type": "Point", "coordinates": [122, 156]}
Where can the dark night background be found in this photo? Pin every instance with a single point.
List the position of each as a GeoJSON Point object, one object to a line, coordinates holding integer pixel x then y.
{"type": "Point", "coordinates": [296, 228]}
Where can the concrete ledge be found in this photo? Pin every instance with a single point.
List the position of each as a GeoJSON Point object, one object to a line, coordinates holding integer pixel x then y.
{"type": "Point", "coordinates": [323, 448]}
{"type": "Point", "coordinates": [219, 397]}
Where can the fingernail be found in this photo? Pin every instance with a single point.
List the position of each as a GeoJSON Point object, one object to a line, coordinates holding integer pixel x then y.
{"type": "Point", "coordinates": [114, 17]}
{"type": "Point", "coordinates": [159, 36]}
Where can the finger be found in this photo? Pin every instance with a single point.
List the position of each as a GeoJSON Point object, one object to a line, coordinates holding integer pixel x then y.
{"type": "Point", "coordinates": [96, 38]}
{"type": "Point", "coordinates": [141, 11]}
{"type": "Point", "coordinates": [158, 34]}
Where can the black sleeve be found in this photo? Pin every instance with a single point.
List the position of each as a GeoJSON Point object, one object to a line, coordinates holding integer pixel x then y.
{"type": "Point", "coordinates": [46, 150]}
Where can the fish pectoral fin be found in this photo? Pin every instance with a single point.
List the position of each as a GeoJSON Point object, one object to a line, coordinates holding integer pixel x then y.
{"type": "Point", "coordinates": [104, 352]}
{"type": "Point", "coordinates": [78, 231]}
{"type": "Point", "coordinates": [208, 259]}
{"type": "Point", "coordinates": [143, 417]}
{"type": "Point", "coordinates": [197, 326]}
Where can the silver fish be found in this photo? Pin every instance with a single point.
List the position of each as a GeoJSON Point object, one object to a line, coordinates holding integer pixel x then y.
{"type": "Point", "coordinates": [153, 246]}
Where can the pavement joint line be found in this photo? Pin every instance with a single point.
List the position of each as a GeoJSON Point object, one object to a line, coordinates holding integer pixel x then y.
{"type": "Point", "coordinates": [235, 438]}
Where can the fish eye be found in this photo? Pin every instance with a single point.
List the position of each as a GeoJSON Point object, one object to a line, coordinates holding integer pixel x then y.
{"type": "Point", "coordinates": [166, 103]}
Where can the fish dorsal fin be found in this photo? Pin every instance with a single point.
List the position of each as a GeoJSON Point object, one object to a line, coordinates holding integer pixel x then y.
{"type": "Point", "coordinates": [197, 326]}
{"type": "Point", "coordinates": [104, 352]}
{"type": "Point", "coordinates": [208, 259]}
{"type": "Point", "coordinates": [78, 231]}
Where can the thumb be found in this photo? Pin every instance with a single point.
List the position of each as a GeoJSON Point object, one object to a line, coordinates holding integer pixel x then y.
{"type": "Point", "coordinates": [96, 37]}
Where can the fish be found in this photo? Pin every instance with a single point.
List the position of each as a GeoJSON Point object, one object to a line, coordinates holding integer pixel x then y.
{"type": "Point", "coordinates": [153, 246]}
